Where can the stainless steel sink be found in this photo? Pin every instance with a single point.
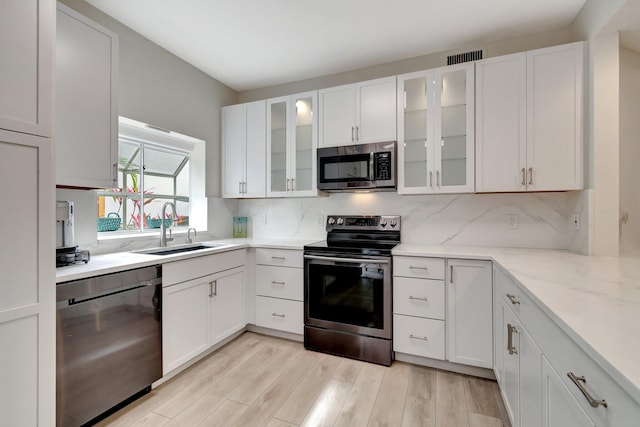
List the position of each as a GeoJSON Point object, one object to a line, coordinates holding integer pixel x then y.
{"type": "Point", "coordinates": [171, 250]}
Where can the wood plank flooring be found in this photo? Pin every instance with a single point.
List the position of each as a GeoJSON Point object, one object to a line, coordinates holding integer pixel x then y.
{"type": "Point", "coordinates": [257, 380]}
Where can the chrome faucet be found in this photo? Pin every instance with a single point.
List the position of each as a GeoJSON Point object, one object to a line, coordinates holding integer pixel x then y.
{"type": "Point", "coordinates": [195, 233]}
{"type": "Point", "coordinates": [163, 225]}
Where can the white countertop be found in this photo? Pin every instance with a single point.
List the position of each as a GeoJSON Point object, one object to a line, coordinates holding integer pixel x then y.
{"type": "Point", "coordinates": [120, 261]}
{"type": "Point", "coordinates": [595, 300]}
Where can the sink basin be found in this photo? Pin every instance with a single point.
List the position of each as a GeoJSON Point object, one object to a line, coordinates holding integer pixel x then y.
{"type": "Point", "coordinates": [171, 250]}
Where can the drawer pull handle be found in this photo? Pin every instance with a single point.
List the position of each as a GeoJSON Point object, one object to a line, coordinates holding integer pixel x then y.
{"type": "Point", "coordinates": [418, 338]}
{"type": "Point", "coordinates": [593, 402]}
{"type": "Point", "coordinates": [510, 331]}
{"type": "Point", "coordinates": [273, 282]}
{"type": "Point", "coordinates": [277, 257]}
{"type": "Point", "coordinates": [277, 315]}
{"type": "Point", "coordinates": [414, 267]}
{"type": "Point", "coordinates": [425, 299]}
{"type": "Point", "coordinates": [513, 299]}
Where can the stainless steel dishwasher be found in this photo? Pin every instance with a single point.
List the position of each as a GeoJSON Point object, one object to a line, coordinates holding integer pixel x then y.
{"type": "Point", "coordinates": [109, 342]}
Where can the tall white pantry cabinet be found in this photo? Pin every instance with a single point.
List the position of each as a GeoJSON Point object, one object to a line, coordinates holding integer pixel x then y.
{"type": "Point", "coordinates": [27, 284]}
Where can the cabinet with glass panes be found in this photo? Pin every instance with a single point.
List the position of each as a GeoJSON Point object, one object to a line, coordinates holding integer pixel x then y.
{"type": "Point", "coordinates": [435, 130]}
{"type": "Point", "coordinates": [291, 145]}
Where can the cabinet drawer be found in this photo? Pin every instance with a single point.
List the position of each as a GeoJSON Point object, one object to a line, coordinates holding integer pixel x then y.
{"type": "Point", "coordinates": [279, 257]}
{"type": "Point", "coordinates": [280, 282]}
{"type": "Point", "coordinates": [418, 297]}
{"type": "Point", "coordinates": [418, 336]}
{"type": "Point", "coordinates": [280, 314]}
{"type": "Point", "coordinates": [188, 269]}
{"type": "Point", "coordinates": [419, 267]}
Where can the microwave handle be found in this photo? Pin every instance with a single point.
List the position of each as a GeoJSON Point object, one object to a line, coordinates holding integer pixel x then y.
{"type": "Point", "coordinates": [371, 168]}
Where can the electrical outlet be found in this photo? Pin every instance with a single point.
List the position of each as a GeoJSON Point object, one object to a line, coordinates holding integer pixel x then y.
{"type": "Point", "coordinates": [575, 221]}
{"type": "Point", "coordinates": [512, 221]}
{"type": "Point", "coordinates": [263, 219]}
{"type": "Point", "coordinates": [320, 219]}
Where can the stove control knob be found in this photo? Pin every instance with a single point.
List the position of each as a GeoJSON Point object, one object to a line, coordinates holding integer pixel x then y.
{"type": "Point", "coordinates": [331, 220]}
{"type": "Point", "coordinates": [393, 223]}
{"type": "Point", "coordinates": [340, 221]}
{"type": "Point", "coordinates": [383, 222]}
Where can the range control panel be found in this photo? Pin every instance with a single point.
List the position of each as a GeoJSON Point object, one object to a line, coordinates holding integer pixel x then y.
{"type": "Point", "coordinates": [363, 222]}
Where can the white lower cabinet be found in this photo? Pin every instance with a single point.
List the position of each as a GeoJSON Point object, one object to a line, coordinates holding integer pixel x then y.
{"type": "Point", "coordinates": [201, 312]}
{"type": "Point", "coordinates": [280, 289]}
{"type": "Point", "coordinates": [443, 313]}
{"type": "Point", "coordinates": [280, 314]}
{"type": "Point", "coordinates": [559, 407]}
{"type": "Point", "coordinates": [535, 360]}
{"type": "Point", "coordinates": [418, 336]}
{"type": "Point", "coordinates": [419, 306]}
{"type": "Point", "coordinates": [469, 312]}
{"type": "Point", "coordinates": [521, 375]}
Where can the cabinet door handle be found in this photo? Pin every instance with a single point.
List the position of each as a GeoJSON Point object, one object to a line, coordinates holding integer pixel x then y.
{"type": "Point", "coordinates": [273, 282]}
{"type": "Point", "coordinates": [415, 267]}
{"type": "Point", "coordinates": [278, 315]}
{"type": "Point", "coordinates": [510, 331]}
{"type": "Point", "coordinates": [357, 133]}
{"type": "Point", "coordinates": [212, 292]}
{"type": "Point", "coordinates": [352, 133]}
{"type": "Point", "coordinates": [240, 187]}
{"type": "Point", "coordinates": [451, 274]}
{"type": "Point", "coordinates": [115, 175]}
{"type": "Point", "coordinates": [278, 257]}
{"type": "Point", "coordinates": [425, 299]}
{"type": "Point", "coordinates": [437, 178]}
{"type": "Point", "coordinates": [530, 176]}
{"type": "Point", "coordinates": [593, 402]}
{"type": "Point", "coordinates": [293, 184]}
{"type": "Point", "coordinates": [244, 187]}
{"type": "Point", "coordinates": [524, 176]}
{"type": "Point", "coordinates": [418, 338]}
{"type": "Point", "coordinates": [513, 299]}
{"type": "Point", "coordinates": [431, 179]}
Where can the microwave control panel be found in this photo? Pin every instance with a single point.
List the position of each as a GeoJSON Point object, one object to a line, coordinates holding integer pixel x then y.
{"type": "Point", "coordinates": [382, 161]}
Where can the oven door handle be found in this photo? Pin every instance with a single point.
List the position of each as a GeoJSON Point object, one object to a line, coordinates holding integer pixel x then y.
{"type": "Point", "coordinates": [351, 260]}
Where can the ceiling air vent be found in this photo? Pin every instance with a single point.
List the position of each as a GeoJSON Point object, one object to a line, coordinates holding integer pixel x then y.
{"type": "Point", "coordinates": [464, 57]}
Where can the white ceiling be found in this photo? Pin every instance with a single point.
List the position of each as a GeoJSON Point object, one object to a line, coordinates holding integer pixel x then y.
{"type": "Point", "coordinates": [247, 44]}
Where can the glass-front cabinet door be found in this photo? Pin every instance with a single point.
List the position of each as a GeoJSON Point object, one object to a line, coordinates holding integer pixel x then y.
{"type": "Point", "coordinates": [435, 131]}
{"type": "Point", "coordinates": [304, 144]}
{"type": "Point", "coordinates": [277, 142]}
{"type": "Point", "coordinates": [454, 120]}
{"type": "Point", "coordinates": [291, 145]}
{"type": "Point", "coordinates": [415, 133]}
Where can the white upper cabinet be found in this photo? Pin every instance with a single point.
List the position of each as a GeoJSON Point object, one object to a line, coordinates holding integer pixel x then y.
{"type": "Point", "coordinates": [291, 145]}
{"type": "Point", "coordinates": [359, 113]}
{"type": "Point", "coordinates": [26, 46]}
{"type": "Point", "coordinates": [86, 104]}
{"type": "Point", "coordinates": [554, 118]}
{"type": "Point", "coordinates": [436, 130]}
{"type": "Point", "coordinates": [243, 150]}
{"type": "Point", "coordinates": [501, 123]}
{"type": "Point", "coordinates": [529, 120]}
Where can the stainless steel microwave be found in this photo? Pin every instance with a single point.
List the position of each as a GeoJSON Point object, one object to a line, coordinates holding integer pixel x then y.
{"type": "Point", "coordinates": [357, 167]}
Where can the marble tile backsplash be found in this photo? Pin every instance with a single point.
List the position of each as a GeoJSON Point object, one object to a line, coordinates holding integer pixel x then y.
{"type": "Point", "coordinates": [531, 220]}
{"type": "Point", "coordinates": [543, 219]}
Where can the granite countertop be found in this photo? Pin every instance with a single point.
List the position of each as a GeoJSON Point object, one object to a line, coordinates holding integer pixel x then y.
{"type": "Point", "coordinates": [594, 300]}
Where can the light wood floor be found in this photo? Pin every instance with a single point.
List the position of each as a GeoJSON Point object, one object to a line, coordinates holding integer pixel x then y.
{"type": "Point", "coordinates": [257, 380]}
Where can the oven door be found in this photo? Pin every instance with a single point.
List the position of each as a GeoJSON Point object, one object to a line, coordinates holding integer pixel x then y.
{"type": "Point", "coordinates": [348, 294]}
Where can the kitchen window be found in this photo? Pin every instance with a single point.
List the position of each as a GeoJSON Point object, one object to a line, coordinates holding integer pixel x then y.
{"type": "Point", "coordinates": [154, 166]}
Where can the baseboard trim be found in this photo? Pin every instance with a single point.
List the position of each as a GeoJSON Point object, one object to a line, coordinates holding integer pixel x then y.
{"type": "Point", "coordinates": [446, 366]}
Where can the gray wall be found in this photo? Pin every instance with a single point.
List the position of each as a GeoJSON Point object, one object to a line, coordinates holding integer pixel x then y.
{"type": "Point", "coordinates": [158, 88]}
{"type": "Point", "coordinates": [425, 62]}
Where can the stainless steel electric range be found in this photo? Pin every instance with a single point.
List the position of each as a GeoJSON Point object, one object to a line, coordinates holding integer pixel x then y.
{"type": "Point", "coordinates": [348, 288]}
